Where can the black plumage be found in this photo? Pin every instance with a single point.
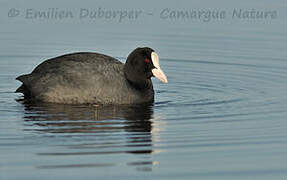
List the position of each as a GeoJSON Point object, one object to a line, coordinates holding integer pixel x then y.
{"type": "Point", "coordinates": [92, 78]}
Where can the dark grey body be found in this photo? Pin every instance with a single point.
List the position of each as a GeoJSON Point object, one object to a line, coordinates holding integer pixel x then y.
{"type": "Point", "coordinates": [82, 78]}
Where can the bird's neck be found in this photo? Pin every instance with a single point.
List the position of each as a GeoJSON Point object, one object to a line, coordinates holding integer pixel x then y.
{"type": "Point", "coordinates": [137, 80]}
{"type": "Point", "coordinates": [140, 84]}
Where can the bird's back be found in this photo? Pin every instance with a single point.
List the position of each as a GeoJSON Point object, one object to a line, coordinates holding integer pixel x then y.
{"type": "Point", "coordinates": [75, 78]}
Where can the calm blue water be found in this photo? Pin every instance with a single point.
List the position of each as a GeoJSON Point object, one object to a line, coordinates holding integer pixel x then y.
{"type": "Point", "coordinates": [221, 116]}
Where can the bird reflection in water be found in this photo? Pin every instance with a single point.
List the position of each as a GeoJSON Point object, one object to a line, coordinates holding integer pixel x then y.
{"type": "Point", "coordinates": [103, 129]}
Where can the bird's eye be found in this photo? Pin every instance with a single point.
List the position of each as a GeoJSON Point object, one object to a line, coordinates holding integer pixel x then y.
{"type": "Point", "coordinates": [147, 60]}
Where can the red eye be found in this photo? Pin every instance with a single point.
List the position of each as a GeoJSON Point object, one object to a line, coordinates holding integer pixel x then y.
{"type": "Point", "coordinates": [146, 60]}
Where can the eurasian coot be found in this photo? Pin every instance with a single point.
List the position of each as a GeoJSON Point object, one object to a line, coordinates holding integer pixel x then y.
{"type": "Point", "coordinates": [94, 78]}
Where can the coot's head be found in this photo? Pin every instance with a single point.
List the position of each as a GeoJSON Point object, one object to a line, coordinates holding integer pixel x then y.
{"type": "Point", "coordinates": [141, 65]}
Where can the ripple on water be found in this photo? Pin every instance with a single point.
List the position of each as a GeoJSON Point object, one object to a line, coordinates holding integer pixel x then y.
{"type": "Point", "coordinates": [224, 88]}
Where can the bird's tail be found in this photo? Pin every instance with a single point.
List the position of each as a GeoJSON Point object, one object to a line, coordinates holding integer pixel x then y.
{"type": "Point", "coordinates": [23, 89]}
{"type": "Point", "coordinates": [20, 89]}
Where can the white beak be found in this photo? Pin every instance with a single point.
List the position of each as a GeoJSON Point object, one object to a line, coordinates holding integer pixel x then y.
{"type": "Point", "coordinates": [157, 72]}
